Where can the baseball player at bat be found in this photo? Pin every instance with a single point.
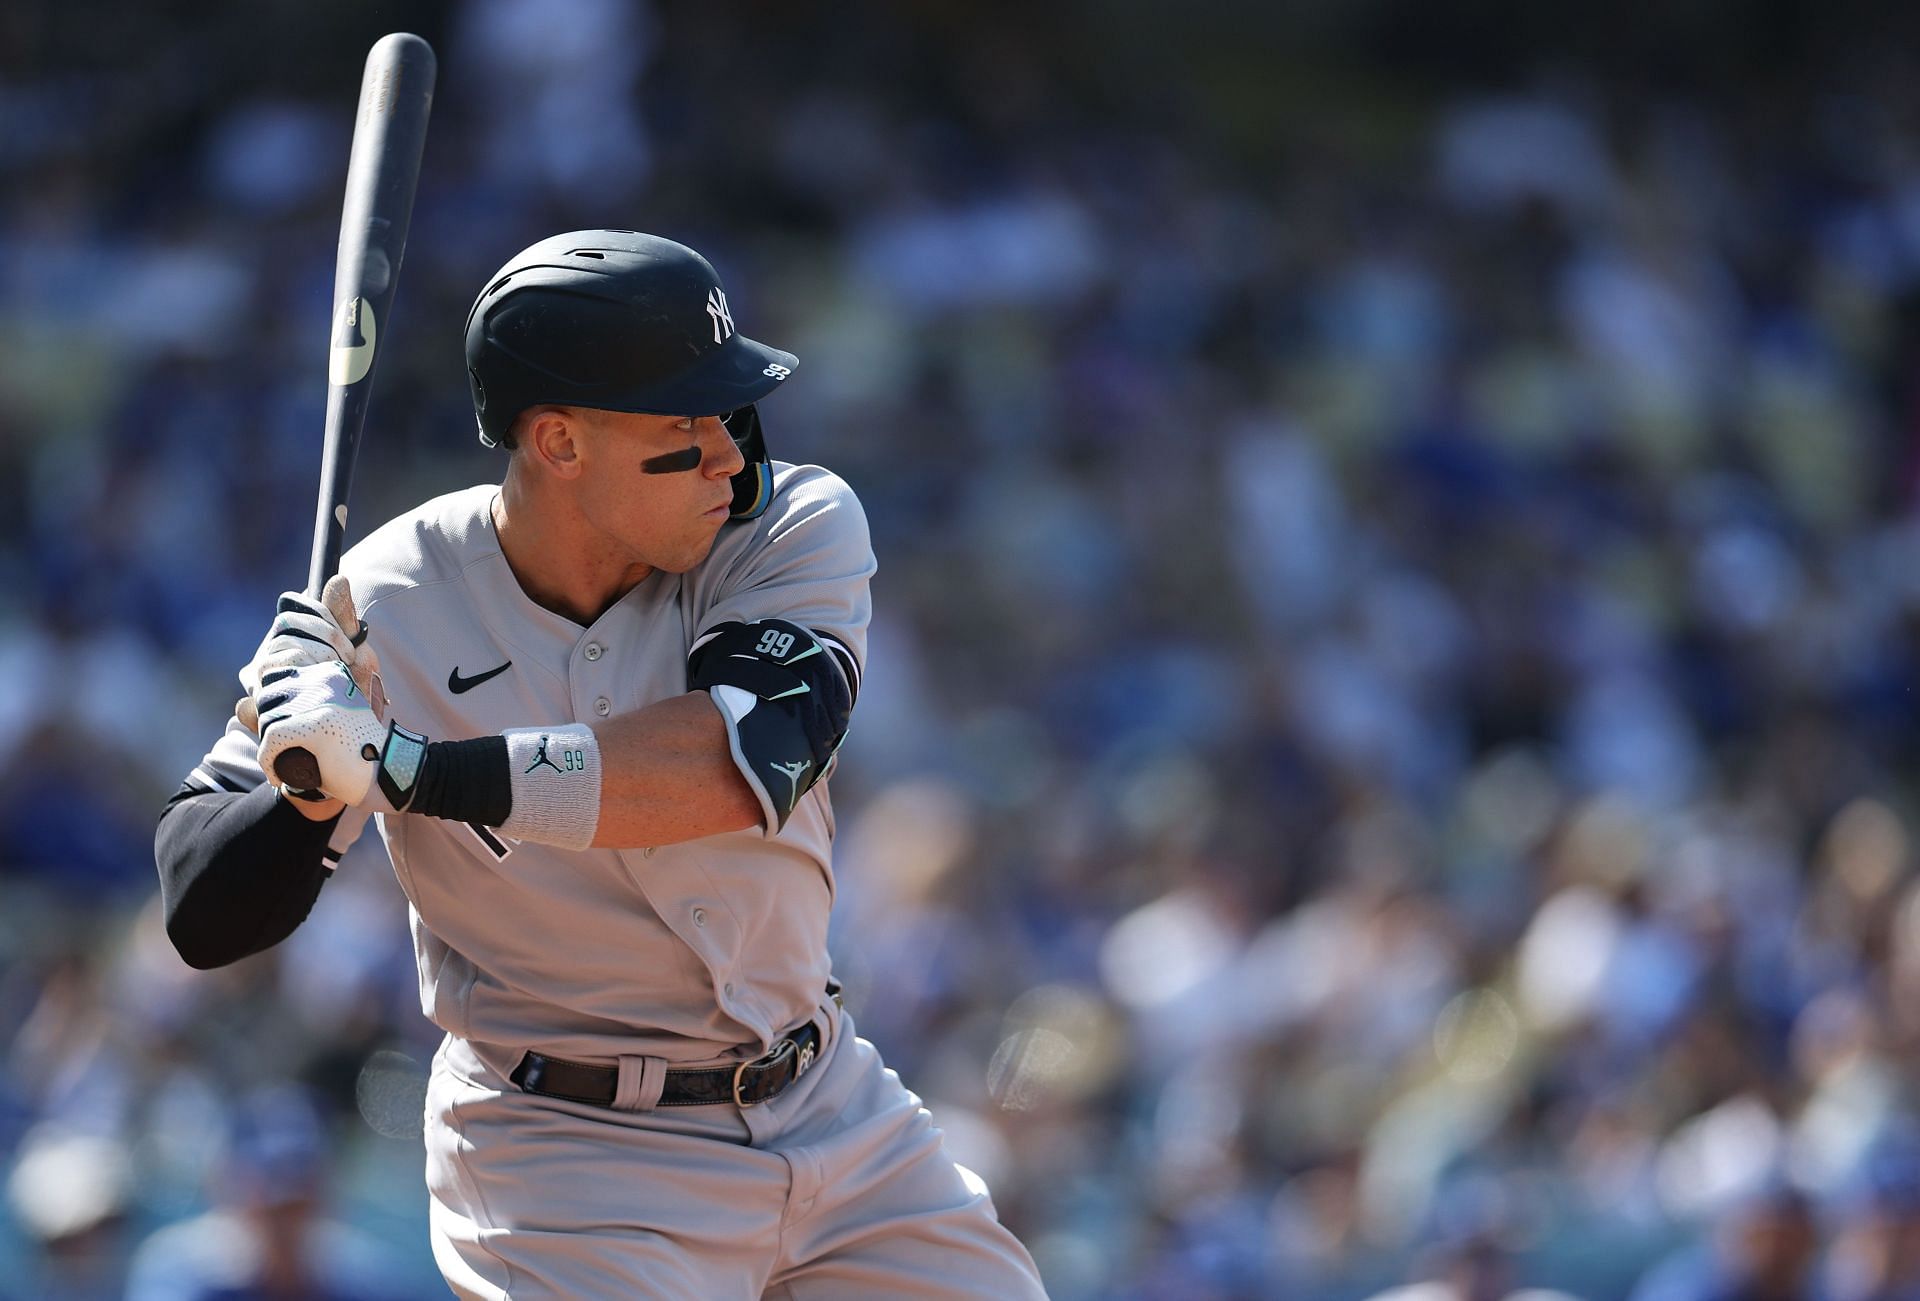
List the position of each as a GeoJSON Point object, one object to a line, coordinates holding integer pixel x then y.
{"type": "Point", "coordinates": [593, 710]}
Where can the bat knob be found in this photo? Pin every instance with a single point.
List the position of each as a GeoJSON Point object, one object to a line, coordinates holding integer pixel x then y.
{"type": "Point", "coordinates": [297, 769]}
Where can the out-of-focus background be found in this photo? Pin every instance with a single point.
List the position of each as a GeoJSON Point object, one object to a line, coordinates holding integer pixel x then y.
{"type": "Point", "coordinates": [1388, 754]}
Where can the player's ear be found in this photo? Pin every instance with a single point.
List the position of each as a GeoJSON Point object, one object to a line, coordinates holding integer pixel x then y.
{"type": "Point", "coordinates": [551, 438]}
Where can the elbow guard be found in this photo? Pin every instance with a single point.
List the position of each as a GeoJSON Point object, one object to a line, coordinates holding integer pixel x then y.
{"type": "Point", "coordinates": [786, 696]}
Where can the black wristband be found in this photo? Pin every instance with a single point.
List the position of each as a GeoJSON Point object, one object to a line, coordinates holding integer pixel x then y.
{"type": "Point", "coordinates": [465, 781]}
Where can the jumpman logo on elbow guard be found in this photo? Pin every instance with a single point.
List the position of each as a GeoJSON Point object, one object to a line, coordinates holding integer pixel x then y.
{"type": "Point", "coordinates": [540, 757]}
{"type": "Point", "coordinates": [792, 772]}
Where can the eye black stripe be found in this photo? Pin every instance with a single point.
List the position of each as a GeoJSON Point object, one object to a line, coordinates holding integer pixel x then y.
{"type": "Point", "coordinates": [687, 458]}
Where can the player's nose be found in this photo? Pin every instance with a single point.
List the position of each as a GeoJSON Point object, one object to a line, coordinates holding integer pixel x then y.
{"type": "Point", "coordinates": [724, 460]}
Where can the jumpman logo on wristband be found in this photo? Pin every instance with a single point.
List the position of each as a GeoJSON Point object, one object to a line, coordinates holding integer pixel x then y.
{"type": "Point", "coordinates": [540, 757]}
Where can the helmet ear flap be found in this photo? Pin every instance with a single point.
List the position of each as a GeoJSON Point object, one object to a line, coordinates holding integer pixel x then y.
{"type": "Point", "coordinates": [479, 390]}
{"type": "Point", "coordinates": [753, 485]}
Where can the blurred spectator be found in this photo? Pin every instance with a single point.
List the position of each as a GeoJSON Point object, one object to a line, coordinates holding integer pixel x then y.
{"type": "Point", "coordinates": [1763, 1250]}
{"type": "Point", "coordinates": [1474, 1270]}
{"type": "Point", "coordinates": [268, 1237]}
{"type": "Point", "coordinates": [70, 1191]}
{"type": "Point", "coordinates": [1875, 1253]}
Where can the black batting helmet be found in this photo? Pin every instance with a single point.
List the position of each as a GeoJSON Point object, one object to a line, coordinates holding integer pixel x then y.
{"type": "Point", "coordinates": [620, 321]}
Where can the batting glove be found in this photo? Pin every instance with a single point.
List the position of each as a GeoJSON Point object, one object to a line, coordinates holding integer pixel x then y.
{"type": "Point", "coordinates": [306, 632]}
{"type": "Point", "coordinates": [322, 739]}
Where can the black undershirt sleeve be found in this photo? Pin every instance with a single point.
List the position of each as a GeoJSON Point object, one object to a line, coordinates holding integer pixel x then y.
{"type": "Point", "coordinates": [238, 871]}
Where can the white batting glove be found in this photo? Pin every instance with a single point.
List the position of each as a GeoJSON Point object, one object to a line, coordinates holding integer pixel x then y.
{"type": "Point", "coordinates": [306, 631]}
{"type": "Point", "coordinates": [322, 740]}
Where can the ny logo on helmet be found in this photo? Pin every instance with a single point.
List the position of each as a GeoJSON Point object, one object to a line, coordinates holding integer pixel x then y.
{"type": "Point", "coordinates": [722, 318]}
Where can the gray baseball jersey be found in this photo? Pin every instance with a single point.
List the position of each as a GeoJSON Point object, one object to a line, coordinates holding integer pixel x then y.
{"type": "Point", "coordinates": [702, 952]}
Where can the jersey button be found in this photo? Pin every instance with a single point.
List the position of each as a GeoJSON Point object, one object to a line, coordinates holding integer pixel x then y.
{"type": "Point", "coordinates": [699, 916]}
{"type": "Point", "coordinates": [593, 650]}
{"type": "Point", "coordinates": [603, 706]}
{"type": "Point", "coordinates": [727, 989]}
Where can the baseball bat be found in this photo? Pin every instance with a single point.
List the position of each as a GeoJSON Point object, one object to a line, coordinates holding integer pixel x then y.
{"type": "Point", "coordinates": [389, 134]}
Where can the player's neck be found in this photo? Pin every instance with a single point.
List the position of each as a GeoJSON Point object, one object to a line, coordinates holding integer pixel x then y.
{"type": "Point", "coordinates": [560, 568]}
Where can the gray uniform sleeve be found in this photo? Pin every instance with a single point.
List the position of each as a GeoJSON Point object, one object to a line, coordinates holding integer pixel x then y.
{"type": "Point", "coordinates": [809, 562]}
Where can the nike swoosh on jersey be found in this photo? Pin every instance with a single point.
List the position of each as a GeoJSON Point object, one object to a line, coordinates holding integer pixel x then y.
{"type": "Point", "coordinates": [457, 684]}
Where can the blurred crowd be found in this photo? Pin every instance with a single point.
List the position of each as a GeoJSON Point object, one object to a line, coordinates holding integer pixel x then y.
{"type": "Point", "coordinates": [1386, 765]}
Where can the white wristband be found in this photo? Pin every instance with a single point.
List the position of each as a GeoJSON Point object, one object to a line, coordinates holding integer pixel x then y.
{"type": "Point", "coordinates": [556, 785]}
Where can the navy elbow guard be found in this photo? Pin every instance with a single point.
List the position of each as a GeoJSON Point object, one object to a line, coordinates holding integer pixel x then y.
{"type": "Point", "coordinates": [787, 697]}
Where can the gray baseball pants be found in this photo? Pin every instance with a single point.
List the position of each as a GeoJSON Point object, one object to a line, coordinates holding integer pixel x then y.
{"type": "Point", "coordinates": [839, 1188]}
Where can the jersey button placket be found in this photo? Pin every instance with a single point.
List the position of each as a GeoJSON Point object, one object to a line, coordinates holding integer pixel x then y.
{"type": "Point", "coordinates": [586, 679]}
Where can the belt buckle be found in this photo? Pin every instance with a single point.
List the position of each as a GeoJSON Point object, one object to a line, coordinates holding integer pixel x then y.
{"type": "Point", "coordinates": [783, 1050]}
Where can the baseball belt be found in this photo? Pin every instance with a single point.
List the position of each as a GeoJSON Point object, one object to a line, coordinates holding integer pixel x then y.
{"type": "Point", "coordinates": [744, 1085]}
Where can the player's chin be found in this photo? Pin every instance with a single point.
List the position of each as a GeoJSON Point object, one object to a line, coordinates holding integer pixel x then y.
{"type": "Point", "coordinates": [695, 551]}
